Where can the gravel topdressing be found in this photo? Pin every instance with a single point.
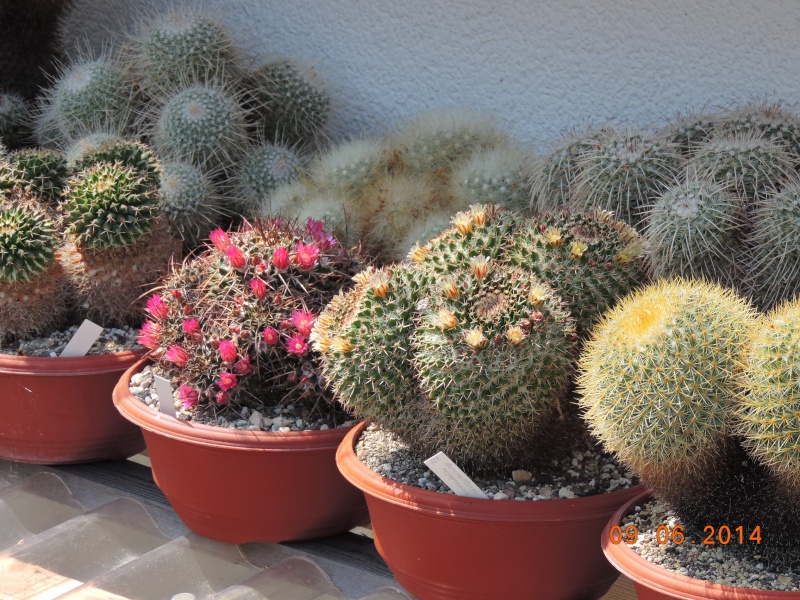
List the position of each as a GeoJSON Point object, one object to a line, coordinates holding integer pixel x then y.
{"type": "Point", "coordinates": [278, 418]}
{"type": "Point", "coordinates": [110, 341]}
{"type": "Point", "coordinates": [723, 564]}
{"type": "Point", "coordinates": [587, 472]}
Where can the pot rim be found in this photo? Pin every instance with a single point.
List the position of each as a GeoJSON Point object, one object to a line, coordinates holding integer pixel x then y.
{"type": "Point", "coordinates": [208, 435]}
{"type": "Point", "coordinates": [425, 501]}
{"type": "Point", "coordinates": [48, 366]}
{"type": "Point", "coordinates": [662, 580]}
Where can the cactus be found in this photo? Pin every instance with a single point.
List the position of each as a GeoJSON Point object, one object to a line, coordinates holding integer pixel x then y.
{"type": "Point", "coordinates": [747, 164]}
{"type": "Point", "coordinates": [622, 171]}
{"type": "Point", "coordinates": [456, 350]}
{"type": "Point", "coordinates": [189, 200]}
{"type": "Point", "coordinates": [497, 176]}
{"type": "Point", "coordinates": [204, 124]}
{"type": "Point", "coordinates": [39, 171]}
{"type": "Point", "coordinates": [232, 324]}
{"type": "Point", "coordinates": [290, 103]}
{"type": "Point", "coordinates": [429, 227]}
{"type": "Point", "coordinates": [74, 150]}
{"type": "Point", "coordinates": [117, 244]}
{"type": "Point", "coordinates": [771, 120]}
{"type": "Point", "coordinates": [15, 120]}
{"type": "Point", "coordinates": [33, 298]}
{"type": "Point", "coordinates": [88, 95]}
{"type": "Point", "coordinates": [772, 258]}
{"type": "Point", "coordinates": [266, 168]}
{"type": "Point", "coordinates": [350, 167]}
{"type": "Point", "coordinates": [182, 46]}
{"type": "Point", "coordinates": [694, 229]}
{"type": "Point", "coordinates": [687, 132]}
{"type": "Point", "coordinates": [129, 153]}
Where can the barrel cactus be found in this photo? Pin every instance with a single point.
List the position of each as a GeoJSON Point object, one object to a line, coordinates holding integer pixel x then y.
{"type": "Point", "coordinates": [75, 149]}
{"type": "Point", "coordinates": [771, 119]}
{"type": "Point", "coordinates": [127, 152]}
{"type": "Point", "coordinates": [265, 168]}
{"type": "Point", "coordinates": [39, 171]}
{"type": "Point", "coordinates": [189, 200]}
{"type": "Point", "coordinates": [350, 167]}
{"type": "Point", "coordinates": [498, 176]}
{"type": "Point", "coordinates": [687, 132]}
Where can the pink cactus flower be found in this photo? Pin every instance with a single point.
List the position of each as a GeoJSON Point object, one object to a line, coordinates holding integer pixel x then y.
{"type": "Point", "coordinates": [157, 307]}
{"type": "Point", "coordinates": [149, 335]}
{"type": "Point", "coordinates": [270, 336]}
{"type": "Point", "coordinates": [259, 288]}
{"type": "Point", "coordinates": [316, 230]}
{"type": "Point", "coordinates": [177, 355]}
{"type": "Point", "coordinates": [280, 258]}
{"type": "Point", "coordinates": [220, 239]}
{"type": "Point", "coordinates": [192, 329]}
{"type": "Point", "coordinates": [306, 255]}
{"type": "Point", "coordinates": [188, 396]}
{"type": "Point", "coordinates": [227, 381]}
{"type": "Point", "coordinates": [243, 366]}
{"type": "Point", "coordinates": [227, 350]}
{"type": "Point", "coordinates": [221, 398]}
{"type": "Point", "coordinates": [296, 344]}
{"type": "Point", "coordinates": [303, 320]}
{"type": "Point", "coordinates": [235, 256]}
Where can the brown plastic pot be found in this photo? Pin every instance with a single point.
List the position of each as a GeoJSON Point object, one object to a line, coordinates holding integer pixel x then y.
{"type": "Point", "coordinates": [653, 582]}
{"type": "Point", "coordinates": [59, 410]}
{"type": "Point", "coordinates": [246, 486]}
{"type": "Point", "coordinates": [440, 546]}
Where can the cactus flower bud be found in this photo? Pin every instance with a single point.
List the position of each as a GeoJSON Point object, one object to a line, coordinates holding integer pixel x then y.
{"type": "Point", "coordinates": [220, 239]}
{"type": "Point", "coordinates": [149, 335]}
{"type": "Point", "coordinates": [280, 258]}
{"type": "Point", "coordinates": [188, 396]}
{"type": "Point", "coordinates": [235, 256]}
{"type": "Point", "coordinates": [243, 366]}
{"type": "Point", "coordinates": [221, 398]}
{"type": "Point", "coordinates": [227, 350]}
{"type": "Point", "coordinates": [259, 288]}
{"type": "Point", "coordinates": [177, 355]}
{"type": "Point", "coordinates": [157, 307]}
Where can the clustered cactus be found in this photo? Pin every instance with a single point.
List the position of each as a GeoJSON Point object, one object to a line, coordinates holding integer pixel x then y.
{"type": "Point", "coordinates": [697, 394]}
{"type": "Point", "coordinates": [466, 347]}
{"type": "Point", "coordinates": [231, 326]}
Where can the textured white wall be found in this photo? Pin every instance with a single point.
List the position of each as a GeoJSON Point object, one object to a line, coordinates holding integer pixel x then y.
{"type": "Point", "coordinates": [538, 65]}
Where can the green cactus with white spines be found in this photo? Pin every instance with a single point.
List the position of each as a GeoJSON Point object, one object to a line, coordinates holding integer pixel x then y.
{"type": "Point", "coordinates": [770, 394]}
{"type": "Point", "coordinates": [203, 123]}
{"type": "Point", "coordinates": [747, 164]}
{"type": "Point", "coordinates": [129, 153]}
{"type": "Point", "coordinates": [32, 294]}
{"type": "Point", "coordinates": [590, 258]}
{"type": "Point", "coordinates": [687, 132]}
{"type": "Point", "coordinates": [88, 95]}
{"type": "Point", "coordinates": [498, 176]}
{"type": "Point", "coordinates": [350, 167]}
{"type": "Point", "coordinates": [431, 226]}
{"type": "Point", "coordinates": [622, 171]}
{"type": "Point", "coordinates": [265, 169]}
{"type": "Point", "coordinates": [772, 256]}
{"type": "Point", "coordinates": [74, 150]}
{"type": "Point", "coordinates": [695, 229]}
{"type": "Point", "coordinates": [290, 102]}
{"type": "Point", "coordinates": [39, 171]}
{"type": "Point", "coordinates": [15, 120]}
{"type": "Point", "coordinates": [472, 364]}
{"type": "Point", "coordinates": [772, 120]}
{"type": "Point", "coordinates": [189, 200]}
{"type": "Point", "coordinates": [437, 141]}
{"type": "Point", "coordinates": [182, 46]}
{"type": "Point", "coordinates": [332, 210]}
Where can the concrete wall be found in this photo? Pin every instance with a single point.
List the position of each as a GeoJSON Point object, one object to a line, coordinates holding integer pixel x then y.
{"type": "Point", "coordinates": [538, 65]}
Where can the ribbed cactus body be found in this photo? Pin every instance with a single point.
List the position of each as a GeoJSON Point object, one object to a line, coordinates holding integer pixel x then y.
{"type": "Point", "coordinates": [129, 153]}
{"type": "Point", "coordinates": [771, 120]}
{"type": "Point", "coordinates": [265, 169]}
{"type": "Point", "coordinates": [694, 229]}
{"type": "Point", "coordinates": [189, 200]}
{"type": "Point", "coordinates": [687, 132]}
{"type": "Point", "coordinates": [499, 176]}
{"type": "Point", "coordinates": [39, 171]}
{"type": "Point", "coordinates": [15, 120]}
{"type": "Point", "coordinates": [76, 149]}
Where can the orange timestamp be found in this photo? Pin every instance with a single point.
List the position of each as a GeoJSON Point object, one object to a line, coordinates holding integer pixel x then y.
{"type": "Point", "coordinates": [722, 535]}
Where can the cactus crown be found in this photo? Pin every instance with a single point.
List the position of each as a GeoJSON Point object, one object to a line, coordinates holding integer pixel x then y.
{"type": "Point", "coordinates": [39, 171]}
{"type": "Point", "coordinates": [772, 120]}
{"type": "Point", "coordinates": [265, 169]}
{"type": "Point", "coordinates": [27, 239]}
{"type": "Point", "coordinates": [109, 205]}
{"type": "Point", "coordinates": [129, 153]}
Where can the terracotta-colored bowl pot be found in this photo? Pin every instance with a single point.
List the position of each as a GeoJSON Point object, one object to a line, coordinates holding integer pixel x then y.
{"type": "Point", "coordinates": [440, 546]}
{"type": "Point", "coordinates": [59, 410]}
{"type": "Point", "coordinates": [653, 582]}
{"type": "Point", "coordinates": [246, 486]}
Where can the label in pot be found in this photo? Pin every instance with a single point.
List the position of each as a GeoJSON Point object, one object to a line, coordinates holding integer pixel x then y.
{"type": "Point", "coordinates": [83, 339]}
{"type": "Point", "coordinates": [453, 477]}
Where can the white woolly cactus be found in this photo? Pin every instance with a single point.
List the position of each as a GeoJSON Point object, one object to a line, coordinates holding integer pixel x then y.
{"type": "Point", "coordinates": [203, 123]}
{"type": "Point", "coordinates": [266, 168]}
{"type": "Point", "coordinates": [498, 176]}
{"type": "Point", "coordinates": [75, 150]}
{"type": "Point", "coordinates": [15, 120]}
{"type": "Point", "coordinates": [333, 211]}
{"type": "Point", "coordinates": [189, 200]}
{"type": "Point", "coordinates": [430, 226]}
{"type": "Point", "coordinates": [285, 199]}
{"type": "Point", "coordinates": [349, 167]}
{"type": "Point", "coordinates": [183, 45]}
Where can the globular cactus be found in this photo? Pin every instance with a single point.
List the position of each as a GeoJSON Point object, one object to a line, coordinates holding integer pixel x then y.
{"type": "Point", "coordinates": [231, 325]}
{"type": "Point", "coordinates": [39, 171]}
{"type": "Point", "coordinates": [769, 399]}
{"type": "Point", "coordinates": [189, 200]}
{"type": "Point", "coordinates": [747, 164]}
{"type": "Point", "coordinates": [183, 45]}
{"type": "Point", "coordinates": [772, 256]}
{"type": "Point", "coordinates": [429, 227]}
{"type": "Point", "coordinates": [622, 171]}
{"type": "Point", "coordinates": [15, 120]}
{"type": "Point", "coordinates": [203, 123]}
{"type": "Point", "coordinates": [264, 170]}
{"type": "Point", "coordinates": [116, 241]}
{"type": "Point", "coordinates": [770, 119]}
{"type": "Point", "coordinates": [695, 229]}
{"type": "Point", "coordinates": [498, 176]}
{"type": "Point", "coordinates": [126, 152]}
{"type": "Point", "coordinates": [291, 105]}
{"type": "Point", "coordinates": [455, 350]}
{"type": "Point", "coordinates": [74, 150]}
{"type": "Point", "coordinates": [33, 298]}
{"type": "Point", "coordinates": [88, 95]}
{"type": "Point", "coordinates": [350, 167]}
{"type": "Point", "coordinates": [687, 132]}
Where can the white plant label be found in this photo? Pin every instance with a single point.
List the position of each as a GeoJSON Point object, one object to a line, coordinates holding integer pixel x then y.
{"type": "Point", "coordinates": [83, 339]}
{"type": "Point", "coordinates": [453, 477]}
{"type": "Point", "coordinates": [165, 400]}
